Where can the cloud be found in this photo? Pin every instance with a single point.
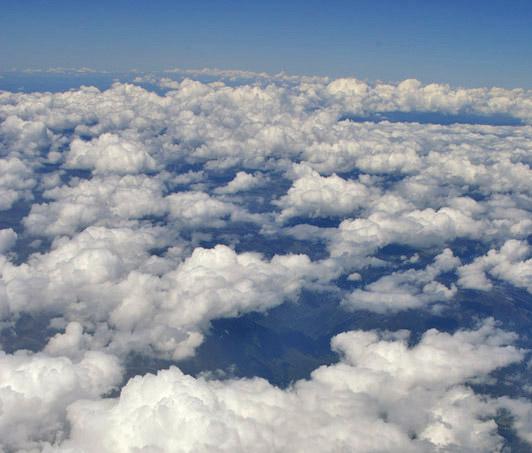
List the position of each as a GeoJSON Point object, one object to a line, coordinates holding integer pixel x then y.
{"type": "Point", "coordinates": [127, 300]}
{"type": "Point", "coordinates": [521, 411]}
{"type": "Point", "coordinates": [238, 75]}
{"type": "Point", "coordinates": [412, 95]}
{"type": "Point", "coordinates": [16, 181]}
{"type": "Point", "coordinates": [7, 239]}
{"type": "Point", "coordinates": [24, 137]}
{"type": "Point", "coordinates": [312, 195]}
{"type": "Point", "coordinates": [194, 209]}
{"type": "Point", "coordinates": [418, 228]}
{"type": "Point", "coordinates": [109, 154]}
{"type": "Point", "coordinates": [169, 314]}
{"type": "Point", "coordinates": [35, 390]}
{"type": "Point", "coordinates": [83, 267]}
{"type": "Point", "coordinates": [123, 227]}
{"type": "Point", "coordinates": [406, 289]}
{"type": "Point", "coordinates": [107, 201]}
{"type": "Point", "coordinates": [243, 182]}
{"type": "Point", "coordinates": [381, 396]}
{"type": "Point", "coordinates": [509, 263]}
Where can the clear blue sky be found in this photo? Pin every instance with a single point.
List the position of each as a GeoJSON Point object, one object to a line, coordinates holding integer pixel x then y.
{"type": "Point", "coordinates": [471, 43]}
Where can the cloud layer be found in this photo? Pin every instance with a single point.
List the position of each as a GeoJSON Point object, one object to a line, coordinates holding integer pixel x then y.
{"type": "Point", "coordinates": [381, 396]}
{"type": "Point", "coordinates": [132, 221]}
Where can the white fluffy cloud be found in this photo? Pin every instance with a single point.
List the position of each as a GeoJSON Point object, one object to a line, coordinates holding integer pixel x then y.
{"type": "Point", "coordinates": [509, 263]}
{"type": "Point", "coordinates": [196, 209]}
{"type": "Point", "coordinates": [128, 300]}
{"type": "Point", "coordinates": [78, 272]}
{"type": "Point", "coordinates": [315, 196]}
{"type": "Point", "coordinates": [35, 390]}
{"type": "Point", "coordinates": [407, 289]}
{"type": "Point", "coordinates": [419, 228]}
{"type": "Point", "coordinates": [16, 181]}
{"type": "Point", "coordinates": [23, 136]}
{"type": "Point", "coordinates": [109, 154]}
{"type": "Point", "coordinates": [109, 201]}
{"type": "Point", "coordinates": [381, 396]}
{"type": "Point", "coordinates": [412, 95]}
{"type": "Point", "coordinates": [169, 314]}
{"type": "Point", "coordinates": [7, 239]}
{"type": "Point", "coordinates": [121, 221]}
{"type": "Point", "coordinates": [242, 182]}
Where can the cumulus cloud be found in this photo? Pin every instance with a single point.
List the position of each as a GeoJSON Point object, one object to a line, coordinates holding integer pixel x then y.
{"type": "Point", "coordinates": [194, 209]}
{"type": "Point", "coordinates": [84, 266]}
{"type": "Point", "coordinates": [315, 196]}
{"type": "Point", "coordinates": [16, 181]}
{"type": "Point", "coordinates": [509, 263]}
{"type": "Point", "coordinates": [117, 200]}
{"type": "Point", "coordinates": [521, 411]}
{"type": "Point", "coordinates": [381, 396]}
{"type": "Point", "coordinates": [7, 239]}
{"type": "Point", "coordinates": [24, 136]}
{"type": "Point", "coordinates": [170, 313]}
{"type": "Point", "coordinates": [242, 182]}
{"type": "Point", "coordinates": [412, 95]}
{"type": "Point", "coordinates": [35, 390]}
{"type": "Point", "coordinates": [109, 201]}
{"type": "Point", "coordinates": [419, 228]}
{"type": "Point", "coordinates": [109, 153]}
{"type": "Point", "coordinates": [406, 289]}
{"type": "Point", "coordinates": [123, 226]}
{"type": "Point", "coordinates": [128, 300]}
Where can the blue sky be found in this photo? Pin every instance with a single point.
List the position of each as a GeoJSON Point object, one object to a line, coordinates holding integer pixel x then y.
{"type": "Point", "coordinates": [470, 43]}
